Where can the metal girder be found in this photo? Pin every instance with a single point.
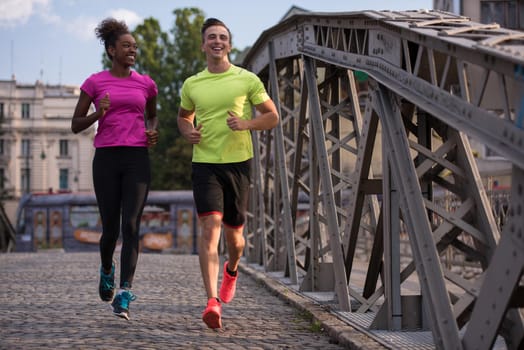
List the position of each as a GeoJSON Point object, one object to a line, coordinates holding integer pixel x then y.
{"type": "Point", "coordinates": [436, 79]}
{"type": "Point", "coordinates": [445, 332]}
{"type": "Point", "coordinates": [328, 200]}
{"type": "Point", "coordinates": [501, 281]}
{"type": "Point", "coordinates": [281, 164]}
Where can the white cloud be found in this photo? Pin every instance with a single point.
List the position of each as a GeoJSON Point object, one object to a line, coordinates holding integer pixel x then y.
{"type": "Point", "coordinates": [131, 18]}
{"type": "Point", "coordinates": [84, 27]}
{"type": "Point", "coordinates": [15, 12]}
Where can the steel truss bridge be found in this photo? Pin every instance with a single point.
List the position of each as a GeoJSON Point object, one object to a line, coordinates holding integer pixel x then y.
{"type": "Point", "coordinates": [353, 161]}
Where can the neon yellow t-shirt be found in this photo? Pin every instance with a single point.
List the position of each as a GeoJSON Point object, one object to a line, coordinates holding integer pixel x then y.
{"type": "Point", "coordinates": [211, 95]}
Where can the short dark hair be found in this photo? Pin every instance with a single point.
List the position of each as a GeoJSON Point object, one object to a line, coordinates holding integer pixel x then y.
{"type": "Point", "coordinates": [214, 22]}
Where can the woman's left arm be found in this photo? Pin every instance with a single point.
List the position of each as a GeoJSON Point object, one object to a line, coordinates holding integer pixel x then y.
{"type": "Point", "coordinates": [151, 122]}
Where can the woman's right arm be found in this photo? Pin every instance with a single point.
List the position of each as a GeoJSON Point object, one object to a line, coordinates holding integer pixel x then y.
{"type": "Point", "coordinates": [81, 120]}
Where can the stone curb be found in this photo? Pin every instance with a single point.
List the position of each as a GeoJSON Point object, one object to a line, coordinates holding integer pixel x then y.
{"type": "Point", "coordinates": [340, 331]}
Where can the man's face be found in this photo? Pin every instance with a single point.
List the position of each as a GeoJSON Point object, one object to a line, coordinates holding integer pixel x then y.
{"type": "Point", "coordinates": [216, 42]}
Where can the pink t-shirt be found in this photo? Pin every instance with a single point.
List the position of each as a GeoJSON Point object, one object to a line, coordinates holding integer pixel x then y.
{"type": "Point", "coordinates": [124, 123]}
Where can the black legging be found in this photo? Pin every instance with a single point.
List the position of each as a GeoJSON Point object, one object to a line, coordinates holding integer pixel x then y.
{"type": "Point", "coordinates": [121, 177]}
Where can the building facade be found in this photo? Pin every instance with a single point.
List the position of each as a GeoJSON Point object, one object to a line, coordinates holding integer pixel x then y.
{"type": "Point", "coordinates": [507, 13]}
{"type": "Point", "coordinates": [38, 151]}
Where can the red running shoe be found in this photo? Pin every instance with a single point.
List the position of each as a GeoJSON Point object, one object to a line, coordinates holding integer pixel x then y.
{"type": "Point", "coordinates": [228, 286]}
{"type": "Point", "coordinates": [212, 314]}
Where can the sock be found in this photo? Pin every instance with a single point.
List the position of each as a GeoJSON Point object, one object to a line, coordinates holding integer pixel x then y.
{"type": "Point", "coordinates": [231, 273]}
{"type": "Point", "coordinates": [123, 289]}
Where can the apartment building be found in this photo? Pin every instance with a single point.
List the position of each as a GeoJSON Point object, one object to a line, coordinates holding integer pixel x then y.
{"type": "Point", "coordinates": [38, 151]}
{"type": "Point", "coordinates": [507, 13]}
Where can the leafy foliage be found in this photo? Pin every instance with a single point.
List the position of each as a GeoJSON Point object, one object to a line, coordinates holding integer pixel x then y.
{"type": "Point", "coordinates": [157, 58]}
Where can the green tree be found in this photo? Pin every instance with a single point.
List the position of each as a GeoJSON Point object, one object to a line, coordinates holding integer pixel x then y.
{"type": "Point", "coordinates": [173, 164]}
{"type": "Point", "coordinates": [156, 59]}
{"type": "Point", "coordinates": [170, 58]}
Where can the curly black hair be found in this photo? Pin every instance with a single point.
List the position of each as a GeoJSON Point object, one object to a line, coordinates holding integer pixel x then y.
{"type": "Point", "coordinates": [109, 30]}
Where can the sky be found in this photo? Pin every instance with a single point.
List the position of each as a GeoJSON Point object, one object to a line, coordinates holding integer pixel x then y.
{"type": "Point", "coordinates": [53, 40]}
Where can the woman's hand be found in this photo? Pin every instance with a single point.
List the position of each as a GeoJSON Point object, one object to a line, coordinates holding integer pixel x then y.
{"type": "Point", "coordinates": [104, 104]}
{"type": "Point", "coordinates": [152, 137]}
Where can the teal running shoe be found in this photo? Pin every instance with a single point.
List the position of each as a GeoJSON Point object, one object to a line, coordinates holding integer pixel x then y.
{"type": "Point", "coordinates": [121, 303]}
{"type": "Point", "coordinates": [106, 287]}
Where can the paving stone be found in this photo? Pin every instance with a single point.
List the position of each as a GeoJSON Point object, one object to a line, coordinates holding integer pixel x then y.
{"type": "Point", "coordinates": [50, 300]}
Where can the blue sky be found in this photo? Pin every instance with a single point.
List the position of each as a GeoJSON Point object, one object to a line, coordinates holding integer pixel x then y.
{"type": "Point", "coordinates": [53, 40]}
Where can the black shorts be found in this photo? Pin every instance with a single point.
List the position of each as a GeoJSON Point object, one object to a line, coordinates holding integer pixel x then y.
{"type": "Point", "coordinates": [222, 189]}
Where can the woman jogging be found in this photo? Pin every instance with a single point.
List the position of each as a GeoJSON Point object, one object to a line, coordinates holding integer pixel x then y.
{"type": "Point", "coordinates": [125, 103]}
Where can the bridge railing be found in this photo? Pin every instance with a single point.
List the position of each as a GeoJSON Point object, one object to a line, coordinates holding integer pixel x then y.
{"type": "Point", "coordinates": [356, 158]}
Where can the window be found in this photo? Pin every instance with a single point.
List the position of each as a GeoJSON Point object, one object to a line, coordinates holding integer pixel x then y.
{"type": "Point", "coordinates": [2, 179]}
{"type": "Point", "coordinates": [64, 179]}
{"type": "Point", "coordinates": [26, 148]}
{"type": "Point", "coordinates": [25, 110]}
{"type": "Point", "coordinates": [25, 180]}
{"type": "Point", "coordinates": [491, 153]}
{"type": "Point", "coordinates": [2, 150]}
{"type": "Point", "coordinates": [64, 148]}
{"type": "Point", "coordinates": [2, 115]}
{"type": "Point", "coordinates": [505, 13]}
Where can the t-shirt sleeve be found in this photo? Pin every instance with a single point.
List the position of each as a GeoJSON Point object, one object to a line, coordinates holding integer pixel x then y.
{"type": "Point", "coordinates": [153, 88]}
{"type": "Point", "coordinates": [257, 94]}
{"type": "Point", "coordinates": [89, 87]}
{"type": "Point", "coordinates": [185, 101]}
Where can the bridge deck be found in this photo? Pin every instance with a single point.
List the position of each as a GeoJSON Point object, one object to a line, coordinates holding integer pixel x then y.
{"type": "Point", "coordinates": [50, 301]}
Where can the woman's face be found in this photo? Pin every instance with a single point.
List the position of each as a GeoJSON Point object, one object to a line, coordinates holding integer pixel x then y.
{"type": "Point", "coordinates": [125, 50]}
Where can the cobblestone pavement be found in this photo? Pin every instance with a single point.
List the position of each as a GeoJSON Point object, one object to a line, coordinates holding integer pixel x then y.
{"type": "Point", "coordinates": [50, 300]}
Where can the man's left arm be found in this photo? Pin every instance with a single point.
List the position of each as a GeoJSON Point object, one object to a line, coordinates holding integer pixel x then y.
{"type": "Point", "coordinates": [266, 118]}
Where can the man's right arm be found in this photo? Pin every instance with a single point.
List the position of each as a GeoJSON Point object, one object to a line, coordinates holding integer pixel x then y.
{"type": "Point", "coordinates": [185, 126]}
